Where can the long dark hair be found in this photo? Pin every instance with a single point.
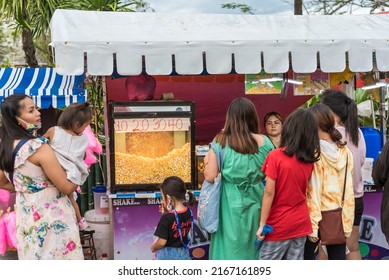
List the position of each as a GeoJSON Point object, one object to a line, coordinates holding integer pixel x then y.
{"type": "Point", "coordinates": [300, 136]}
{"type": "Point", "coordinates": [175, 187]}
{"type": "Point", "coordinates": [346, 109]}
{"type": "Point", "coordinates": [10, 130]}
{"type": "Point", "coordinates": [75, 115]}
{"type": "Point", "coordinates": [326, 122]}
{"type": "Point", "coordinates": [241, 123]}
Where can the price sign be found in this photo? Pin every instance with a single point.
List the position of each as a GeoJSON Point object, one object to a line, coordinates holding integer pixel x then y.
{"type": "Point", "coordinates": [152, 124]}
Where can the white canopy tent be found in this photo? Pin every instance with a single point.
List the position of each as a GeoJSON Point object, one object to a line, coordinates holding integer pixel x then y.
{"type": "Point", "coordinates": [161, 43]}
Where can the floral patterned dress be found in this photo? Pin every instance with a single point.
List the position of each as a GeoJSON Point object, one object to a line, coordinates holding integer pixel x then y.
{"type": "Point", "coordinates": [46, 226]}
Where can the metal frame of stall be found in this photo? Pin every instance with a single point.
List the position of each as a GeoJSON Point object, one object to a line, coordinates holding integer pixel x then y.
{"type": "Point", "coordinates": [161, 44]}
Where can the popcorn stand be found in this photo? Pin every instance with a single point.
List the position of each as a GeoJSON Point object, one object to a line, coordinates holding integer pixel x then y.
{"type": "Point", "coordinates": [149, 140]}
{"type": "Point", "coordinates": [156, 140]}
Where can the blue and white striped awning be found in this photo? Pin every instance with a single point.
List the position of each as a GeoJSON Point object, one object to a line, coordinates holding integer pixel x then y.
{"type": "Point", "coordinates": [44, 85]}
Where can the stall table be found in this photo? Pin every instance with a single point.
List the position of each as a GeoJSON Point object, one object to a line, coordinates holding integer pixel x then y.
{"type": "Point", "coordinates": [135, 217]}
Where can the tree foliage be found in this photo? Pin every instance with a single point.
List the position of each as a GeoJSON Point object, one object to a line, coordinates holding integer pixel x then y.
{"type": "Point", "coordinates": [102, 5]}
{"type": "Point", "coordinates": [325, 7]}
{"type": "Point", "coordinates": [31, 19]}
{"type": "Point", "coordinates": [332, 7]}
{"type": "Point", "coordinates": [245, 9]}
{"type": "Point", "coordinates": [3, 44]}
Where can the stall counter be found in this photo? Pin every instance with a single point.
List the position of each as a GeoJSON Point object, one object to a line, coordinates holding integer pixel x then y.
{"type": "Point", "coordinates": [135, 217]}
{"type": "Point", "coordinates": [372, 242]}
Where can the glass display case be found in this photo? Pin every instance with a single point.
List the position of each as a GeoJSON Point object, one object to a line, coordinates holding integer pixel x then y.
{"type": "Point", "coordinates": [201, 151]}
{"type": "Point", "coordinates": [149, 141]}
{"type": "Point", "coordinates": [200, 171]}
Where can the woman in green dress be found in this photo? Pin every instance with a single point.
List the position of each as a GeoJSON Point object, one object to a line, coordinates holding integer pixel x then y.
{"type": "Point", "coordinates": [242, 188]}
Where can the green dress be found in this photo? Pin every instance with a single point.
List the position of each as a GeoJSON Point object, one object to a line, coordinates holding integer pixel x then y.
{"type": "Point", "coordinates": [240, 205]}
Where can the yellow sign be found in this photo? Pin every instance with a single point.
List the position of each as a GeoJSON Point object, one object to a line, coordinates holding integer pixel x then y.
{"type": "Point", "coordinates": [263, 83]}
{"type": "Point", "coordinates": [312, 83]}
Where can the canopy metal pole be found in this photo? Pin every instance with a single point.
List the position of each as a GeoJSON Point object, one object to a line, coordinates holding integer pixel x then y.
{"type": "Point", "coordinates": [382, 108]}
{"type": "Point", "coordinates": [372, 111]}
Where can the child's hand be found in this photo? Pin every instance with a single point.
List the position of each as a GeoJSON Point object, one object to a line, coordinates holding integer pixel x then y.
{"type": "Point", "coordinates": [259, 234]}
{"type": "Point", "coordinates": [313, 239]}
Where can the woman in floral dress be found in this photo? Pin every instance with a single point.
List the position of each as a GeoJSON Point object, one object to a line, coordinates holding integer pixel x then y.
{"type": "Point", "coordinates": [46, 226]}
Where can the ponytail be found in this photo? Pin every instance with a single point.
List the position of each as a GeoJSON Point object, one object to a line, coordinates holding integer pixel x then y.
{"type": "Point", "coordinates": [351, 122]}
{"type": "Point", "coordinates": [346, 109]}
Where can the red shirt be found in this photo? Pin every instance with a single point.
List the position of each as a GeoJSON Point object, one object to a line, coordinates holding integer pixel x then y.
{"type": "Point", "coordinates": [288, 215]}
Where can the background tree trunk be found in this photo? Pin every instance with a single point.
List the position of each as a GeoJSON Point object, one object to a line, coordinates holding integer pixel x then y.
{"type": "Point", "coordinates": [28, 48]}
{"type": "Point", "coordinates": [298, 7]}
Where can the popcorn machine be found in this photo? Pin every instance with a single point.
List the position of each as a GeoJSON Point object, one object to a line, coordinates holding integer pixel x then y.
{"type": "Point", "coordinates": [149, 141]}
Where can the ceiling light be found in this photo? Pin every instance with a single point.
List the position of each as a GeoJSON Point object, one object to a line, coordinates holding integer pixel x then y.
{"type": "Point", "coordinates": [377, 85]}
{"type": "Point", "coordinates": [296, 82]}
{"type": "Point", "coordinates": [277, 79]}
{"type": "Point", "coordinates": [269, 80]}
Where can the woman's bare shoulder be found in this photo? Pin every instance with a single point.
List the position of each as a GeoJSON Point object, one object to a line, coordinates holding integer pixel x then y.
{"type": "Point", "coordinates": [260, 139]}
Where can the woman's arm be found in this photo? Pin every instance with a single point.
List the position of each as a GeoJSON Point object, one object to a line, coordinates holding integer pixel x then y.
{"type": "Point", "coordinates": [46, 158]}
{"type": "Point", "coordinates": [267, 201]}
{"type": "Point", "coordinates": [349, 203]}
{"type": "Point", "coordinates": [314, 198]}
{"type": "Point", "coordinates": [381, 167]}
{"type": "Point", "coordinates": [361, 149]}
{"type": "Point", "coordinates": [5, 184]}
{"type": "Point", "coordinates": [211, 169]}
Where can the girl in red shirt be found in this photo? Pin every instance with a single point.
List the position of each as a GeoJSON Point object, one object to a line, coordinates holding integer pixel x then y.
{"type": "Point", "coordinates": [284, 206]}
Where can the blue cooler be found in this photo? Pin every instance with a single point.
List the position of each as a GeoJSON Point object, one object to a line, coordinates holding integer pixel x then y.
{"type": "Point", "coordinates": [373, 141]}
